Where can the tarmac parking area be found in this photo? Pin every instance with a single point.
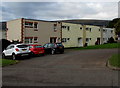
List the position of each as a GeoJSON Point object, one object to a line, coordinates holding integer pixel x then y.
{"type": "Point", "coordinates": [73, 68]}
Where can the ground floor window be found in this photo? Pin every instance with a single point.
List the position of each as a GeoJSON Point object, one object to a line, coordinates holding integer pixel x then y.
{"type": "Point", "coordinates": [35, 39]}
{"type": "Point", "coordinates": [31, 39]}
{"type": "Point", "coordinates": [65, 39]}
{"type": "Point", "coordinates": [87, 39]}
{"type": "Point", "coordinates": [97, 42]}
{"type": "Point", "coordinates": [28, 39]}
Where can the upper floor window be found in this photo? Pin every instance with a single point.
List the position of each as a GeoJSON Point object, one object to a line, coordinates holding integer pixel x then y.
{"type": "Point", "coordinates": [68, 38]}
{"type": "Point", "coordinates": [29, 24]}
{"type": "Point", "coordinates": [55, 27]}
{"type": "Point", "coordinates": [81, 28]}
{"type": "Point", "coordinates": [104, 30]}
{"type": "Point", "coordinates": [89, 29]}
{"type": "Point", "coordinates": [68, 28]}
{"type": "Point", "coordinates": [35, 25]}
{"type": "Point", "coordinates": [111, 31]}
{"type": "Point", "coordinates": [63, 26]}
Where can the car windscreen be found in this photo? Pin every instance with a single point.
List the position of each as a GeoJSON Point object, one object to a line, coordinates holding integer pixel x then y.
{"type": "Point", "coordinates": [38, 46]}
{"type": "Point", "coordinates": [22, 46]}
{"type": "Point", "coordinates": [59, 44]}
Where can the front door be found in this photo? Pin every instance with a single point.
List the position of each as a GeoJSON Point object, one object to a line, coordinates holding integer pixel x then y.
{"type": "Point", "coordinates": [53, 39]}
{"type": "Point", "coordinates": [80, 43]}
{"type": "Point", "coordinates": [98, 40]}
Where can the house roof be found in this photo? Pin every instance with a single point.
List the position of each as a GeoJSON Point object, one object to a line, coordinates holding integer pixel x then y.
{"type": "Point", "coordinates": [87, 22]}
{"type": "Point", "coordinates": [39, 20]}
{"type": "Point", "coordinates": [2, 25]}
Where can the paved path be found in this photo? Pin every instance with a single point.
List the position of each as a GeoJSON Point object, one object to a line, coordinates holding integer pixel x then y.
{"type": "Point", "coordinates": [73, 68]}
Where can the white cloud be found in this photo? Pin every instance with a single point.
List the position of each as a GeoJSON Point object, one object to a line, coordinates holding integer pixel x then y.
{"type": "Point", "coordinates": [60, 10]}
{"type": "Point", "coordinates": [60, 0]}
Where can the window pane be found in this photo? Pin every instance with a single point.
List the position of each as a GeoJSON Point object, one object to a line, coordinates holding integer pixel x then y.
{"type": "Point", "coordinates": [35, 39]}
{"type": "Point", "coordinates": [35, 25]}
{"type": "Point", "coordinates": [22, 46]}
{"type": "Point", "coordinates": [31, 40]}
{"type": "Point", "coordinates": [26, 40]}
{"type": "Point", "coordinates": [38, 46]}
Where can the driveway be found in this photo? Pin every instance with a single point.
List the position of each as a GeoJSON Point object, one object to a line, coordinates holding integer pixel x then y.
{"type": "Point", "coordinates": [73, 68]}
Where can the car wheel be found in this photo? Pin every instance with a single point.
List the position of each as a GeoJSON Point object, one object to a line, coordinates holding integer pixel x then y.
{"type": "Point", "coordinates": [52, 51]}
{"type": "Point", "coordinates": [13, 56]}
{"type": "Point", "coordinates": [28, 56]}
{"type": "Point", "coordinates": [43, 54]}
{"type": "Point", "coordinates": [3, 56]}
{"type": "Point", "coordinates": [62, 52]}
{"type": "Point", "coordinates": [32, 54]}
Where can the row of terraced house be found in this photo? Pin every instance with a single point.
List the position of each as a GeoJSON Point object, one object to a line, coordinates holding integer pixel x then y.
{"type": "Point", "coordinates": [70, 34]}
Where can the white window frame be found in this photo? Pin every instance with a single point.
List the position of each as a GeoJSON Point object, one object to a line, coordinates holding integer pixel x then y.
{"type": "Point", "coordinates": [36, 41]}
{"type": "Point", "coordinates": [28, 24]}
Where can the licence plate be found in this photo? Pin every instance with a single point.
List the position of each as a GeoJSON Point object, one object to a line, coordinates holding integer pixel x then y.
{"type": "Point", "coordinates": [60, 47]}
{"type": "Point", "coordinates": [23, 49]}
{"type": "Point", "coordinates": [24, 54]}
{"type": "Point", "coordinates": [40, 52]}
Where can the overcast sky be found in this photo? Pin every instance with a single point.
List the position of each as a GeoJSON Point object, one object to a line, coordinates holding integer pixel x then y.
{"type": "Point", "coordinates": [59, 10]}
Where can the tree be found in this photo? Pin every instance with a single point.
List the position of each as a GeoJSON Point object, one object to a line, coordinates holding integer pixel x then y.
{"type": "Point", "coordinates": [117, 27]}
{"type": "Point", "coordinates": [4, 43]}
{"type": "Point", "coordinates": [115, 23]}
{"type": "Point", "coordinates": [111, 40]}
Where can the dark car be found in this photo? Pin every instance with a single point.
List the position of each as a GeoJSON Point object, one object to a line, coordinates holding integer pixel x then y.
{"type": "Point", "coordinates": [52, 48]}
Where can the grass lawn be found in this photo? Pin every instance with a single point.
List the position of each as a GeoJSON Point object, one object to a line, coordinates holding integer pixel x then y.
{"type": "Point", "coordinates": [5, 62]}
{"type": "Point", "coordinates": [115, 60]}
{"type": "Point", "coordinates": [103, 46]}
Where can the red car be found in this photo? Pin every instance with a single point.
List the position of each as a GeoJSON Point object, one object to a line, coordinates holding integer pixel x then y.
{"type": "Point", "coordinates": [37, 49]}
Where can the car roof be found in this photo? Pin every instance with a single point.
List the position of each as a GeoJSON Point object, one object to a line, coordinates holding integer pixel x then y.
{"type": "Point", "coordinates": [17, 44]}
{"type": "Point", "coordinates": [58, 43]}
{"type": "Point", "coordinates": [54, 43]}
{"type": "Point", "coordinates": [35, 45]}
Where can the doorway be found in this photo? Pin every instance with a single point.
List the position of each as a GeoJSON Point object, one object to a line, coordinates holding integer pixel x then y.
{"type": "Point", "coordinates": [53, 39]}
{"type": "Point", "coordinates": [98, 41]}
{"type": "Point", "coordinates": [80, 41]}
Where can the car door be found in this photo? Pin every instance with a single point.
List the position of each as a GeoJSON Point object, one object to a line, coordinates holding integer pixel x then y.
{"type": "Point", "coordinates": [9, 50]}
{"type": "Point", "coordinates": [49, 47]}
{"type": "Point", "coordinates": [46, 48]}
{"type": "Point", "coordinates": [6, 51]}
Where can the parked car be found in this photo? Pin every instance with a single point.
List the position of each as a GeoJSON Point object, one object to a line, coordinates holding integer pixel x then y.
{"type": "Point", "coordinates": [15, 50]}
{"type": "Point", "coordinates": [53, 48]}
{"type": "Point", "coordinates": [36, 49]}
